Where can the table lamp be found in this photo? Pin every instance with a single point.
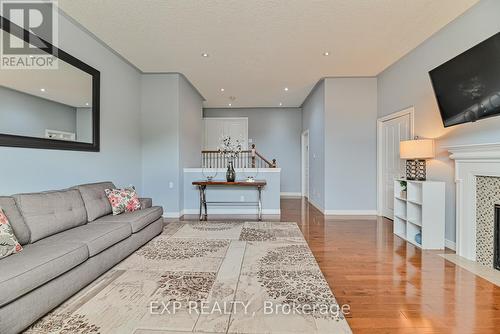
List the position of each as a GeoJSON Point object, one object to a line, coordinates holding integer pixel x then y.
{"type": "Point", "coordinates": [415, 152]}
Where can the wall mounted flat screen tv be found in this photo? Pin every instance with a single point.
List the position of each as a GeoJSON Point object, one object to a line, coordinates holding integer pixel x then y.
{"type": "Point", "coordinates": [467, 87]}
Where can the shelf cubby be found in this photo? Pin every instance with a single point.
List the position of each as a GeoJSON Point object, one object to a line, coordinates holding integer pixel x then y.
{"type": "Point", "coordinates": [400, 209]}
{"type": "Point", "coordinates": [411, 231]}
{"type": "Point", "coordinates": [400, 227]}
{"type": "Point", "coordinates": [414, 213]}
{"type": "Point", "coordinates": [415, 191]}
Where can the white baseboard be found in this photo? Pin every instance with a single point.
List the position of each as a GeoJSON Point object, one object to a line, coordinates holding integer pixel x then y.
{"type": "Point", "coordinates": [172, 214]}
{"type": "Point", "coordinates": [290, 194]}
{"type": "Point", "coordinates": [233, 212]}
{"type": "Point", "coordinates": [350, 212]}
{"type": "Point", "coordinates": [450, 244]}
{"type": "Point", "coordinates": [360, 213]}
{"type": "Point", "coordinates": [316, 205]}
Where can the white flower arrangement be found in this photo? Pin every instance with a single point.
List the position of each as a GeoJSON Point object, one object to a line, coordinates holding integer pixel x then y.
{"type": "Point", "coordinates": [230, 148]}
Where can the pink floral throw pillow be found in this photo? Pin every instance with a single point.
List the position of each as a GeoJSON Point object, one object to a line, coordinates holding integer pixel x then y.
{"type": "Point", "coordinates": [8, 241]}
{"type": "Point", "coordinates": [123, 200]}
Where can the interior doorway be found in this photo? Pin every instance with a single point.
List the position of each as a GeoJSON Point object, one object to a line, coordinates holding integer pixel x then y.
{"type": "Point", "coordinates": [305, 163]}
{"type": "Point", "coordinates": [391, 130]}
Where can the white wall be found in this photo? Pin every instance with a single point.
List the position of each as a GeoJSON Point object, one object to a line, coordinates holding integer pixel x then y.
{"type": "Point", "coordinates": [119, 158]}
{"type": "Point", "coordinates": [406, 83]}
{"type": "Point", "coordinates": [313, 119]}
{"type": "Point", "coordinates": [350, 145]}
{"type": "Point", "coordinates": [276, 134]}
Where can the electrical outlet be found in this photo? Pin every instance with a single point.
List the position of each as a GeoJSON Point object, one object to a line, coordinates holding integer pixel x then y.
{"type": "Point", "coordinates": [242, 198]}
{"type": "Point", "coordinates": [171, 185]}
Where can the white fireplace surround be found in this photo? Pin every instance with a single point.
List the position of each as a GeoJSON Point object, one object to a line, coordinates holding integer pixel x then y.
{"type": "Point", "coordinates": [471, 161]}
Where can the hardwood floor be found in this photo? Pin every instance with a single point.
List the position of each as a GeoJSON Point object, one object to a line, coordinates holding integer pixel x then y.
{"type": "Point", "coordinates": [390, 285]}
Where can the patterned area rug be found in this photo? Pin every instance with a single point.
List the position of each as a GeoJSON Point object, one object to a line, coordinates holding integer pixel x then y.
{"type": "Point", "coordinates": [210, 277]}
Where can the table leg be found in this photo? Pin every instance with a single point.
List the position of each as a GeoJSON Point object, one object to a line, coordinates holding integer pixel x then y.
{"type": "Point", "coordinates": [260, 203]}
{"type": "Point", "coordinates": [200, 188]}
{"type": "Point", "coordinates": [205, 202]}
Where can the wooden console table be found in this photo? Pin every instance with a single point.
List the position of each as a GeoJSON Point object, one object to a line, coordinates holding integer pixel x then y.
{"type": "Point", "coordinates": [202, 186]}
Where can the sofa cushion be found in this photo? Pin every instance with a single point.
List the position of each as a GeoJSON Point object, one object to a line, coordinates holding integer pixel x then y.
{"type": "Point", "coordinates": [8, 241]}
{"type": "Point", "coordinates": [123, 200]}
{"type": "Point", "coordinates": [146, 203]}
{"type": "Point", "coordinates": [51, 212]}
{"type": "Point", "coordinates": [8, 204]}
{"type": "Point", "coordinates": [137, 219]}
{"type": "Point", "coordinates": [96, 202]}
{"type": "Point", "coordinates": [97, 237]}
{"type": "Point", "coordinates": [37, 264]}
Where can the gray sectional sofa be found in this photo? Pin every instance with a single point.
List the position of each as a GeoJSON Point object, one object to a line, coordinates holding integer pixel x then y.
{"type": "Point", "coordinates": [69, 238]}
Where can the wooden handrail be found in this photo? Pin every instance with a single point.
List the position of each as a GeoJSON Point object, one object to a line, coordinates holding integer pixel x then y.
{"type": "Point", "coordinates": [272, 164]}
{"type": "Point", "coordinates": [246, 159]}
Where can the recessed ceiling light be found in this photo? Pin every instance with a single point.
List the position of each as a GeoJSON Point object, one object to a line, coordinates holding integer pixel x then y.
{"type": "Point", "coordinates": [281, 104]}
{"type": "Point", "coordinates": [87, 104]}
{"type": "Point", "coordinates": [42, 89]}
{"type": "Point", "coordinates": [230, 104]}
{"type": "Point", "coordinates": [222, 89]}
{"type": "Point", "coordinates": [204, 54]}
{"type": "Point", "coordinates": [326, 53]}
{"type": "Point", "coordinates": [286, 89]}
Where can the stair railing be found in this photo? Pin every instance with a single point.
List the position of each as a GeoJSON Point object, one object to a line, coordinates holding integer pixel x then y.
{"type": "Point", "coordinates": [246, 159]}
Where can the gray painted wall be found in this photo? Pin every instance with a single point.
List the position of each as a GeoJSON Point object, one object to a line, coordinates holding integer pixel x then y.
{"type": "Point", "coordinates": [28, 115]}
{"type": "Point", "coordinates": [171, 137]}
{"type": "Point", "coordinates": [276, 133]}
{"type": "Point", "coordinates": [84, 125]}
{"type": "Point", "coordinates": [190, 131]}
{"type": "Point", "coordinates": [119, 158]}
{"type": "Point", "coordinates": [160, 139]}
{"type": "Point", "coordinates": [406, 83]}
{"type": "Point", "coordinates": [313, 119]}
{"type": "Point", "coordinates": [191, 113]}
{"type": "Point", "coordinates": [350, 144]}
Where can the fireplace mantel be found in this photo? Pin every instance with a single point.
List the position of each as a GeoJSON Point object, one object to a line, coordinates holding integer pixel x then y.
{"type": "Point", "coordinates": [471, 161]}
{"type": "Point", "coordinates": [478, 151]}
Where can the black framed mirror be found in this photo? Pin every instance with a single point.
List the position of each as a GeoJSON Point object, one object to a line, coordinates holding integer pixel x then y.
{"type": "Point", "coordinates": [46, 107]}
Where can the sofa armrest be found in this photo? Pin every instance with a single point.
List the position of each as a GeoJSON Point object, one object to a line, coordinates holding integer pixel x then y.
{"type": "Point", "coordinates": [146, 203]}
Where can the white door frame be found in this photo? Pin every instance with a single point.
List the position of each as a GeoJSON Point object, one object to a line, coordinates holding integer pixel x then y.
{"type": "Point", "coordinates": [380, 175]}
{"type": "Point", "coordinates": [304, 159]}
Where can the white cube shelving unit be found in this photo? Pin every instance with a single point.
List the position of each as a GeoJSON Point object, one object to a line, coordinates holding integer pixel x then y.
{"type": "Point", "coordinates": [422, 211]}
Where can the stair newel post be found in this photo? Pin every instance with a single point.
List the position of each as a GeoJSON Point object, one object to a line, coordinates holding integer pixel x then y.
{"type": "Point", "coordinates": [253, 155]}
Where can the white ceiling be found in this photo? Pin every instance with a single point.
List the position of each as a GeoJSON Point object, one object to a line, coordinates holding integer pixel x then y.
{"type": "Point", "coordinates": [258, 47]}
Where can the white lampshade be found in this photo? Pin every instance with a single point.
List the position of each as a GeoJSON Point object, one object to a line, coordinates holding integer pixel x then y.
{"type": "Point", "coordinates": [418, 149]}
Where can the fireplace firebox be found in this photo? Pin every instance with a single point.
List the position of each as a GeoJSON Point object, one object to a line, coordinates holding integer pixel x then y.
{"type": "Point", "coordinates": [496, 253]}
